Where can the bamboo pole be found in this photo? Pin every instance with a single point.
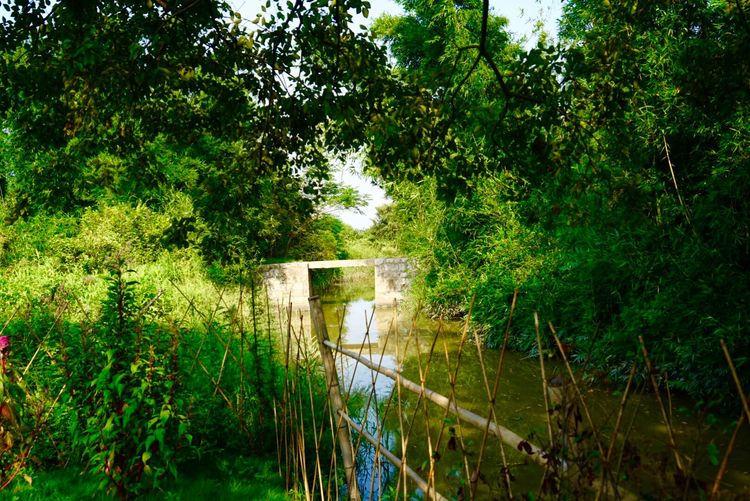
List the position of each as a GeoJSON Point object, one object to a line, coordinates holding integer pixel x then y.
{"type": "Point", "coordinates": [578, 391]}
{"type": "Point", "coordinates": [533, 452]}
{"type": "Point", "coordinates": [736, 379]}
{"type": "Point", "coordinates": [536, 454]}
{"type": "Point", "coordinates": [334, 394]}
{"type": "Point", "coordinates": [667, 422]}
{"type": "Point", "coordinates": [725, 460]}
{"type": "Point", "coordinates": [491, 395]}
{"type": "Point", "coordinates": [545, 390]}
{"type": "Point", "coordinates": [615, 432]}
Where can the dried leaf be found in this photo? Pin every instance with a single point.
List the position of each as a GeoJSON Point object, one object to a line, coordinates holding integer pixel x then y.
{"type": "Point", "coordinates": [524, 446]}
{"type": "Point", "coordinates": [452, 444]}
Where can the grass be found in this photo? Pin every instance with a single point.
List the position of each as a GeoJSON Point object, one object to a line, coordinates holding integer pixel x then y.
{"type": "Point", "coordinates": [220, 479]}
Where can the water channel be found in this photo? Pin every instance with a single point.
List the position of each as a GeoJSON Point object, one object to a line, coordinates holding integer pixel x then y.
{"type": "Point", "coordinates": [398, 342]}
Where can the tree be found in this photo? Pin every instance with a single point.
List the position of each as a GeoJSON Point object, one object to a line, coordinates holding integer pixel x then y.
{"type": "Point", "coordinates": [469, 102]}
{"type": "Point", "coordinates": [661, 90]}
{"type": "Point", "coordinates": [123, 100]}
{"type": "Point", "coordinates": [619, 153]}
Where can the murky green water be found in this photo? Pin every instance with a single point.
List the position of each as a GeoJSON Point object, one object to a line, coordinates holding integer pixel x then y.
{"type": "Point", "coordinates": [398, 342]}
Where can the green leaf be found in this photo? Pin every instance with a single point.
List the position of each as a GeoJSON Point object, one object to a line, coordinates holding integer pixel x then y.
{"type": "Point", "coordinates": [713, 453]}
{"type": "Point", "coordinates": [159, 433]}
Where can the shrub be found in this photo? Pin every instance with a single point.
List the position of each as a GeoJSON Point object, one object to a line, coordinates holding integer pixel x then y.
{"type": "Point", "coordinates": [124, 381]}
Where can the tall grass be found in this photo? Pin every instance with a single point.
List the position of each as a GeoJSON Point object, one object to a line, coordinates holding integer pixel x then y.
{"type": "Point", "coordinates": [203, 355]}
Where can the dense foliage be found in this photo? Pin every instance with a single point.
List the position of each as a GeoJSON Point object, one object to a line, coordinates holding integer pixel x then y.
{"type": "Point", "coordinates": [131, 392]}
{"type": "Point", "coordinates": [605, 177]}
{"type": "Point", "coordinates": [179, 107]}
{"type": "Point", "coordinates": [174, 139]}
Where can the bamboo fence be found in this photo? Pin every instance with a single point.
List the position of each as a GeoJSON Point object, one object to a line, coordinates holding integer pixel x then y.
{"type": "Point", "coordinates": [366, 444]}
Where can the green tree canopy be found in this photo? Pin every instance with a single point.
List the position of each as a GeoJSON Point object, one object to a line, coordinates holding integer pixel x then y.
{"type": "Point", "coordinates": [470, 103]}
{"type": "Point", "coordinates": [147, 100]}
{"type": "Point", "coordinates": [616, 156]}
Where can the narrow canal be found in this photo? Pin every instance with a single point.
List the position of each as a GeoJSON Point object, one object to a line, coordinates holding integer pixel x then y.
{"type": "Point", "coordinates": [424, 346]}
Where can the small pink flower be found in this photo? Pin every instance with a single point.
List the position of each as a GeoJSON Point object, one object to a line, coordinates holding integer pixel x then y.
{"type": "Point", "coordinates": [4, 343]}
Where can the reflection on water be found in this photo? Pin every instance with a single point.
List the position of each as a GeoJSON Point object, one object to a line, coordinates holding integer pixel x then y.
{"type": "Point", "coordinates": [401, 344]}
{"type": "Point", "coordinates": [351, 320]}
{"type": "Point", "coordinates": [354, 324]}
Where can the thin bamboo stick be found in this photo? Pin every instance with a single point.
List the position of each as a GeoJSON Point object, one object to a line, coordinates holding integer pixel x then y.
{"type": "Point", "coordinates": [453, 378]}
{"type": "Point", "coordinates": [736, 378]}
{"type": "Point", "coordinates": [667, 422]}
{"type": "Point", "coordinates": [239, 319]}
{"type": "Point", "coordinates": [287, 392]}
{"type": "Point", "coordinates": [491, 394]}
{"type": "Point", "coordinates": [616, 473]}
{"type": "Point", "coordinates": [388, 403]}
{"type": "Point", "coordinates": [404, 438]}
{"type": "Point", "coordinates": [544, 378]}
{"type": "Point", "coordinates": [15, 310]}
{"type": "Point", "coordinates": [725, 460]}
{"type": "Point", "coordinates": [545, 394]}
{"type": "Point", "coordinates": [271, 366]}
{"type": "Point", "coordinates": [316, 441]}
{"type": "Point", "coordinates": [221, 373]}
{"type": "Point", "coordinates": [60, 312]}
{"type": "Point", "coordinates": [578, 391]}
{"type": "Point", "coordinates": [615, 432]}
{"type": "Point", "coordinates": [452, 375]}
{"type": "Point", "coordinates": [422, 403]}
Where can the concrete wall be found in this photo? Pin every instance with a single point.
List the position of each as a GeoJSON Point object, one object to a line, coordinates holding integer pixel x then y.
{"type": "Point", "coordinates": [291, 281]}
{"type": "Point", "coordinates": [287, 282]}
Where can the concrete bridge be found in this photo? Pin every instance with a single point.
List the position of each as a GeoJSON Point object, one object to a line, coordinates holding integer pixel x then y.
{"type": "Point", "coordinates": [291, 281]}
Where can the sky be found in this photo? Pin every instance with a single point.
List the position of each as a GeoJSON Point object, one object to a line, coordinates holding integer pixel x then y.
{"type": "Point", "coordinates": [522, 17]}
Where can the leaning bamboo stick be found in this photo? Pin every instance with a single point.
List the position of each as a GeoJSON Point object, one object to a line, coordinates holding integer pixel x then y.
{"type": "Point", "coordinates": [452, 379]}
{"type": "Point", "coordinates": [509, 437]}
{"type": "Point", "coordinates": [578, 390]}
{"type": "Point", "coordinates": [433, 494]}
{"type": "Point", "coordinates": [545, 391]}
{"type": "Point", "coordinates": [12, 315]}
{"type": "Point", "coordinates": [725, 460]}
{"type": "Point", "coordinates": [736, 378]}
{"type": "Point", "coordinates": [491, 395]}
{"type": "Point", "coordinates": [334, 394]}
{"type": "Point", "coordinates": [316, 440]}
{"type": "Point", "coordinates": [613, 439]}
{"type": "Point", "coordinates": [667, 422]}
{"type": "Point", "coordinates": [452, 376]}
{"type": "Point", "coordinates": [221, 372]}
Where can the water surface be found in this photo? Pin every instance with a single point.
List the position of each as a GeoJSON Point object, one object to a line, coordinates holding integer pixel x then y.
{"type": "Point", "coordinates": [397, 341]}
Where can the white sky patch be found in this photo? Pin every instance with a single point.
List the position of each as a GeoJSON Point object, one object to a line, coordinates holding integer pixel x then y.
{"type": "Point", "coordinates": [350, 174]}
{"type": "Point", "coordinates": [523, 18]}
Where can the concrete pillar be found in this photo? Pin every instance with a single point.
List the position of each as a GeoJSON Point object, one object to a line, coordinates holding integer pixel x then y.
{"type": "Point", "coordinates": [392, 279]}
{"type": "Point", "coordinates": [288, 282]}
